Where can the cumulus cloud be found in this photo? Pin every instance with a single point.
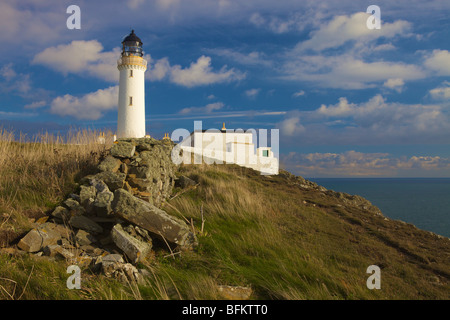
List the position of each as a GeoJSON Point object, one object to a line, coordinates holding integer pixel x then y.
{"type": "Point", "coordinates": [346, 71]}
{"type": "Point", "coordinates": [439, 62]}
{"type": "Point", "coordinates": [342, 29]}
{"type": "Point", "coordinates": [291, 126]}
{"type": "Point", "coordinates": [201, 73]}
{"type": "Point", "coordinates": [81, 57]}
{"type": "Point", "coordinates": [359, 164]}
{"type": "Point", "coordinates": [375, 121]}
{"type": "Point", "coordinates": [90, 106]}
{"type": "Point", "coordinates": [206, 109]}
{"type": "Point", "coordinates": [394, 84]}
{"type": "Point", "coordinates": [442, 92]}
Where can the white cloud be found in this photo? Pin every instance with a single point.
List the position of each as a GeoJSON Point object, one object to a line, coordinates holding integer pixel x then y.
{"type": "Point", "coordinates": [442, 92]}
{"type": "Point", "coordinates": [36, 105]}
{"type": "Point", "coordinates": [358, 164]}
{"type": "Point", "coordinates": [158, 70]}
{"type": "Point", "coordinates": [252, 93]}
{"type": "Point", "coordinates": [439, 62]}
{"type": "Point", "coordinates": [375, 121]}
{"type": "Point", "coordinates": [252, 58]}
{"type": "Point", "coordinates": [201, 73]}
{"type": "Point", "coordinates": [346, 71]}
{"type": "Point", "coordinates": [291, 126]}
{"type": "Point", "coordinates": [209, 108]}
{"type": "Point", "coordinates": [81, 57]}
{"type": "Point", "coordinates": [298, 94]}
{"type": "Point", "coordinates": [395, 84]}
{"type": "Point", "coordinates": [346, 28]}
{"type": "Point", "coordinates": [90, 106]}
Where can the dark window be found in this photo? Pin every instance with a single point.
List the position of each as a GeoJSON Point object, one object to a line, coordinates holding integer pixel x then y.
{"type": "Point", "coordinates": [131, 73]}
{"type": "Point", "coordinates": [131, 101]}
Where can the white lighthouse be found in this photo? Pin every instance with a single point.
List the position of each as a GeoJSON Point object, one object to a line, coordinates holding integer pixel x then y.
{"type": "Point", "coordinates": [132, 66]}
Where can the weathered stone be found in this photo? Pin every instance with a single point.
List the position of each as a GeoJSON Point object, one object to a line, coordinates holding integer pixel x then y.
{"type": "Point", "coordinates": [61, 213]}
{"type": "Point", "coordinates": [109, 164]}
{"type": "Point", "coordinates": [184, 182]}
{"type": "Point", "coordinates": [39, 238]}
{"type": "Point", "coordinates": [114, 266]}
{"type": "Point", "coordinates": [86, 193]}
{"type": "Point", "coordinates": [140, 184]}
{"type": "Point", "coordinates": [123, 149]}
{"type": "Point", "coordinates": [74, 207]}
{"type": "Point", "coordinates": [123, 168]}
{"type": "Point", "coordinates": [113, 180]}
{"type": "Point", "coordinates": [55, 250]}
{"type": "Point", "coordinates": [102, 204]}
{"type": "Point", "coordinates": [83, 237]}
{"type": "Point", "coordinates": [153, 219]}
{"type": "Point", "coordinates": [134, 249]}
{"type": "Point", "coordinates": [84, 223]}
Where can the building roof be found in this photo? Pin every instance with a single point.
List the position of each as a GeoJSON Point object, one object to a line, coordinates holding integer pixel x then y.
{"type": "Point", "coordinates": [132, 37]}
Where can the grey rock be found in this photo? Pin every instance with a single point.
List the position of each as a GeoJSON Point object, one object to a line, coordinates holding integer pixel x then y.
{"type": "Point", "coordinates": [84, 223]}
{"type": "Point", "coordinates": [153, 219]}
{"type": "Point", "coordinates": [83, 237]}
{"type": "Point", "coordinates": [114, 180]}
{"type": "Point", "coordinates": [102, 204]}
{"type": "Point", "coordinates": [86, 193]}
{"type": "Point", "coordinates": [109, 164]}
{"type": "Point", "coordinates": [74, 207]}
{"type": "Point", "coordinates": [184, 182]}
{"type": "Point", "coordinates": [39, 238]}
{"type": "Point", "coordinates": [123, 149]}
{"type": "Point", "coordinates": [61, 213]}
{"type": "Point", "coordinates": [134, 249]}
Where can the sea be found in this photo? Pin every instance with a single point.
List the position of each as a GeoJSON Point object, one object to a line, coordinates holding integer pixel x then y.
{"type": "Point", "coordinates": [423, 202]}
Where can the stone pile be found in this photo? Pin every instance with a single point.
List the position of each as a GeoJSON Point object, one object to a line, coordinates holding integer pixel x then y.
{"type": "Point", "coordinates": [116, 214]}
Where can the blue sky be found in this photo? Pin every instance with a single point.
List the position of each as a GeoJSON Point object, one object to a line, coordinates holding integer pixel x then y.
{"type": "Point", "coordinates": [348, 101]}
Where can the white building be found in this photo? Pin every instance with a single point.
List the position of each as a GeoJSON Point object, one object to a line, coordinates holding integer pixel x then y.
{"type": "Point", "coordinates": [226, 147]}
{"type": "Point", "coordinates": [132, 66]}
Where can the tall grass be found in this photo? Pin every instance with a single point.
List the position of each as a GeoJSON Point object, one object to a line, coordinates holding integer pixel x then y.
{"type": "Point", "coordinates": [36, 174]}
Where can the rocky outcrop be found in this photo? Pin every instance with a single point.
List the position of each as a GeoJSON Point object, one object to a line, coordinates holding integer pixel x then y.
{"type": "Point", "coordinates": [116, 213]}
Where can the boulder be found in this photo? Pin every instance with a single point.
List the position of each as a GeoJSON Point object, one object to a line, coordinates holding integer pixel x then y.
{"type": "Point", "coordinates": [87, 193]}
{"type": "Point", "coordinates": [134, 249]}
{"type": "Point", "coordinates": [110, 164]}
{"type": "Point", "coordinates": [114, 180]}
{"type": "Point", "coordinates": [55, 250]}
{"type": "Point", "coordinates": [83, 237]}
{"type": "Point", "coordinates": [184, 182]}
{"type": "Point", "coordinates": [74, 207]}
{"type": "Point", "coordinates": [153, 219]}
{"type": "Point", "coordinates": [39, 238]}
{"type": "Point", "coordinates": [84, 223]}
{"type": "Point", "coordinates": [102, 203]}
{"type": "Point", "coordinates": [123, 149]}
{"type": "Point", "coordinates": [61, 213]}
{"type": "Point", "coordinates": [114, 266]}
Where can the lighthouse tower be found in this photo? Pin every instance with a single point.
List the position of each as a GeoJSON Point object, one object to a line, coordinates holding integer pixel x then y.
{"type": "Point", "coordinates": [132, 66]}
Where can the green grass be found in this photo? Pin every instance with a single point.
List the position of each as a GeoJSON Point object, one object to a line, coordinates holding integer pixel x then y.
{"type": "Point", "coordinates": [264, 232]}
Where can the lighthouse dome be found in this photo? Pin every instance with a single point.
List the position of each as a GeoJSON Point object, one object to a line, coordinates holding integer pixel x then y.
{"type": "Point", "coordinates": [132, 37]}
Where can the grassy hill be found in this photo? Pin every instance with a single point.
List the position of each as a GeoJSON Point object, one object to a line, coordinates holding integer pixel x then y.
{"type": "Point", "coordinates": [284, 237]}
